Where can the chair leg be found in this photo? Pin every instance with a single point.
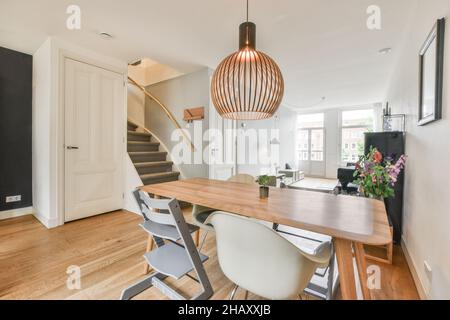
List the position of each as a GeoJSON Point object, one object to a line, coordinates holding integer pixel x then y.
{"type": "Point", "coordinates": [246, 295]}
{"type": "Point", "coordinates": [330, 280]}
{"type": "Point", "coordinates": [149, 248]}
{"type": "Point", "coordinates": [233, 292]}
{"type": "Point", "coordinates": [197, 238]}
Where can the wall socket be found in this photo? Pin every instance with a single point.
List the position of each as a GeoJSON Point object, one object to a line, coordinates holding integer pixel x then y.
{"type": "Point", "coordinates": [13, 199]}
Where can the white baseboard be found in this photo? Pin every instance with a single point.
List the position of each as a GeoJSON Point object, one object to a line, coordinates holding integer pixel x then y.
{"type": "Point", "coordinates": [48, 223]}
{"type": "Point", "coordinates": [14, 213]}
{"type": "Point", "coordinates": [415, 275]}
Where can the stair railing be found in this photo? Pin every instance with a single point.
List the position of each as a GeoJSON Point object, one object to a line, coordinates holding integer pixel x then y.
{"type": "Point", "coordinates": [165, 109]}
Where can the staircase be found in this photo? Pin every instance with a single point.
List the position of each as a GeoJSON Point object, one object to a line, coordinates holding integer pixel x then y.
{"type": "Point", "coordinates": [150, 163]}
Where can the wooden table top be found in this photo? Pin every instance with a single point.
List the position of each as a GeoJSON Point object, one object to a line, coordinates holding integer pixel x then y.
{"type": "Point", "coordinates": [346, 217]}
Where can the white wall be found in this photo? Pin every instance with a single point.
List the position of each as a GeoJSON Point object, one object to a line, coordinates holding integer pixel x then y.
{"type": "Point", "coordinates": [426, 229]}
{"type": "Point", "coordinates": [187, 91]}
{"type": "Point", "coordinates": [151, 72]}
{"type": "Point", "coordinates": [132, 181]}
{"type": "Point", "coordinates": [136, 105]}
{"type": "Point", "coordinates": [48, 124]}
{"type": "Point", "coordinates": [286, 126]}
{"type": "Point", "coordinates": [41, 130]}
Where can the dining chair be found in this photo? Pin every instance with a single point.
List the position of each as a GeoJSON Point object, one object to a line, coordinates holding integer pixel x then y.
{"type": "Point", "coordinates": [259, 260]}
{"type": "Point", "coordinates": [175, 255]}
{"type": "Point", "coordinates": [243, 178]}
{"type": "Point", "coordinates": [200, 214]}
{"type": "Point", "coordinates": [272, 181]}
{"type": "Point", "coordinates": [322, 292]}
{"type": "Point", "coordinates": [143, 200]}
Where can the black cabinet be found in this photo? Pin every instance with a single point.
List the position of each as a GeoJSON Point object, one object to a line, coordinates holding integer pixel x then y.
{"type": "Point", "coordinates": [15, 128]}
{"type": "Point", "coordinates": [391, 144]}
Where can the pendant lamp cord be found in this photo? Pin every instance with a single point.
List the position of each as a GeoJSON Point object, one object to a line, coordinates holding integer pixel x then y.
{"type": "Point", "coordinates": [247, 10]}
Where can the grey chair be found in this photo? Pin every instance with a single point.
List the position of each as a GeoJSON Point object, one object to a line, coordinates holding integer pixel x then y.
{"type": "Point", "coordinates": [175, 255]}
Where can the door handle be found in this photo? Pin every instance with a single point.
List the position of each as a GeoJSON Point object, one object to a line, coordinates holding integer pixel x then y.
{"type": "Point", "coordinates": [72, 148]}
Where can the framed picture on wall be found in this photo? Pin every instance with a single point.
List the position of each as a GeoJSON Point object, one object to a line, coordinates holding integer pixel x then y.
{"type": "Point", "coordinates": [431, 72]}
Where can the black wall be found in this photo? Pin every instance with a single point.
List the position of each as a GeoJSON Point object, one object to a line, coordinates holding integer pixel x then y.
{"type": "Point", "coordinates": [15, 128]}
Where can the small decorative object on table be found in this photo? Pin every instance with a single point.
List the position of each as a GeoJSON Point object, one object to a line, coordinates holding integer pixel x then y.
{"type": "Point", "coordinates": [263, 182]}
{"type": "Point", "coordinates": [376, 178]}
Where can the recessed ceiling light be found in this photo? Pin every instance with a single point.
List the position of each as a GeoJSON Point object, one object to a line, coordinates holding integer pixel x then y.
{"type": "Point", "coordinates": [105, 35]}
{"type": "Point", "coordinates": [385, 51]}
{"type": "Point", "coordinates": [136, 63]}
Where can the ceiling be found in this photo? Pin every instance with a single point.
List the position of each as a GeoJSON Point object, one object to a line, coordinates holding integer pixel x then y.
{"type": "Point", "coordinates": [323, 47]}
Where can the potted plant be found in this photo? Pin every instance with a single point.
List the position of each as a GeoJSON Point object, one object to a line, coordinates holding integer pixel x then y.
{"type": "Point", "coordinates": [376, 177]}
{"type": "Point", "coordinates": [263, 182]}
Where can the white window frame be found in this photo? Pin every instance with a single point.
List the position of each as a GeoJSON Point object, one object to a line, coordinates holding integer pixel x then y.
{"type": "Point", "coordinates": [341, 111]}
{"type": "Point", "coordinates": [324, 157]}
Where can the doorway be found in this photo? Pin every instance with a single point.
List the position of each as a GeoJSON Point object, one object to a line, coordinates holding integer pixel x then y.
{"type": "Point", "coordinates": [222, 139]}
{"type": "Point", "coordinates": [94, 140]}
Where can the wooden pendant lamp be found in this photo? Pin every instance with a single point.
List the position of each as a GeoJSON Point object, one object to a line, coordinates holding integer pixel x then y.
{"type": "Point", "coordinates": [248, 84]}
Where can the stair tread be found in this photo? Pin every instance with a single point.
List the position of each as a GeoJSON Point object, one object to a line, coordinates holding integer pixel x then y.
{"type": "Point", "coordinates": [153, 164]}
{"type": "Point", "coordinates": [159, 175]}
{"type": "Point", "coordinates": [137, 153]}
{"type": "Point", "coordinates": [143, 143]}
{"type": "Point", "coordinates": [136, 133]}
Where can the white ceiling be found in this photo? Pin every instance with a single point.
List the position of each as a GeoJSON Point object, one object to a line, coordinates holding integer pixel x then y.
{"type": "Point", "coordinates": [323, 47]}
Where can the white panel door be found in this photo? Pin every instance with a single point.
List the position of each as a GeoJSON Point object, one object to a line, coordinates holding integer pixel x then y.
{"type": "Point", "coordinates": [94, 140]}
{"type": "Point", "coordinates": [222, 137]}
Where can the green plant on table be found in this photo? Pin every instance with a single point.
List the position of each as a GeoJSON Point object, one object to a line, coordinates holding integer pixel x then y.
{"type": "Point", "coordinates": [263, 180]}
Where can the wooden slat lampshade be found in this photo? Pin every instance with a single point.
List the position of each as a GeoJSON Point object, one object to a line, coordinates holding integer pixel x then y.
{"type": "Point", "coordinates": [248, 84]}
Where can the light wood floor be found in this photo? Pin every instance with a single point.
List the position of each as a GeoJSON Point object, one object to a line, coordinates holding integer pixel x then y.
{"type": "Point", "coordinates": [109, 248]}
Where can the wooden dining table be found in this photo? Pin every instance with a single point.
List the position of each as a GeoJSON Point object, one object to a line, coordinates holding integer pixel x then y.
{"type": "Point", "coordinates": [350, 221]}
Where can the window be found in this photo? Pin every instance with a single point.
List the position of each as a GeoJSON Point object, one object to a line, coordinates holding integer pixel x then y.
{"type": "Point", "coordinates": [310, 137]}
{"type": "Point", "coordinates": [354, 124]}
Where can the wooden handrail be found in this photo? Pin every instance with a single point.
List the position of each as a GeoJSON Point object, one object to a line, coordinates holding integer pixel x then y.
{"type": "Point", "coordinates": [165, 109]}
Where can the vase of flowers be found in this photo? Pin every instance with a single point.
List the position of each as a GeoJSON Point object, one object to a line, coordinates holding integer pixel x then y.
{"type": "Point", "coordinates": [375, 176]}
{"type": "Point", "coordinates": [263, 182]}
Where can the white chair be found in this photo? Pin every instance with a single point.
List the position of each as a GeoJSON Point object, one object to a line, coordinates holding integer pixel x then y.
{"type": "Point", "coordinates": [200, 214]}
{"type": "Point", "coordinates": [259, 260]}
{"type": "Point", "coordinates": [243, 178]}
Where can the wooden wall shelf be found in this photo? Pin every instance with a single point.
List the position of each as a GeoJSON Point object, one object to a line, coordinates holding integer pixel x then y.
{"type": "Point", "coordinates": [194, 114]}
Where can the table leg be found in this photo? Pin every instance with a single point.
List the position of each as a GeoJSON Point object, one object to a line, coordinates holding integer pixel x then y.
{"type": "Point", "coordinates": [344, 259]}
{"type": "Point", "coordinates": [362, 269]}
